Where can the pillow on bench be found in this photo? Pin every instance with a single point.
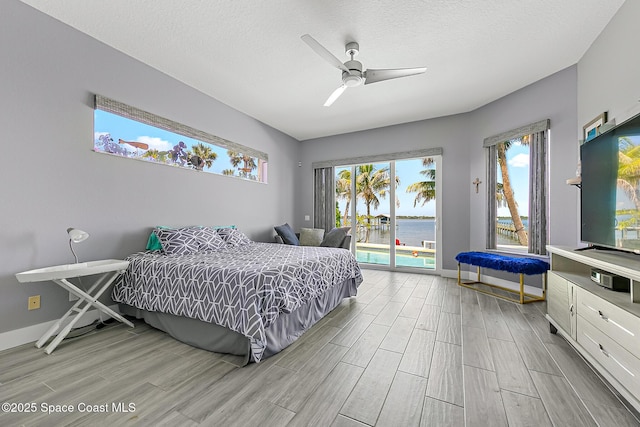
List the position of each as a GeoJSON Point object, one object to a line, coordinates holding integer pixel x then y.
{"type": "Point", "coordinates": [335, 238]}
{"type": "Point", "coordinates": [287, 234]}
{"type": "Point", "coordinates": [311, 236]}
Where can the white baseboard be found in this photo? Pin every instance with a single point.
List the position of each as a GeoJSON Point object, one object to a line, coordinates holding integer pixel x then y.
{"type": "Point", "coordinates": [33, 333]}
{"type": "Point", "coordinates": [451, 274]}
{"type": "Point", "coordinates": [472, 275]}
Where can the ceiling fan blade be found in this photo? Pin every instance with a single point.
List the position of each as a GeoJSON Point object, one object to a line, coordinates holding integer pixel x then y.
{"type": "Point", "coordinates": [336, 93]}
{"type": "Point", "coordinates": [323, 52]}
{"type": "Point", "coordinates": [373, 76]}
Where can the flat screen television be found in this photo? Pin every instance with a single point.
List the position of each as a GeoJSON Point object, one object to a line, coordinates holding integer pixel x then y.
{"type": "Point", "coordinates": [610, 195]}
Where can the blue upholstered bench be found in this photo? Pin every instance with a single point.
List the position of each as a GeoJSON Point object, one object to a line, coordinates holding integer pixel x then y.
{"type": "Point", "coordinates": [518, 265]}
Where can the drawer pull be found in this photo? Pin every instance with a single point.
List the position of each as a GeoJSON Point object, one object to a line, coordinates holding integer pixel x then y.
{"type": "Point", "coordinates": [601, 347]}
{"type": "Point", "coordinates": [603, 350]}
{"type": "Point", "coordinates": [606, 319]}
{"type": "Point", "coordinates": [597, 343]}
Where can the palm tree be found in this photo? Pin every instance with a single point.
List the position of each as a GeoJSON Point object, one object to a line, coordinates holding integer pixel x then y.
{"type": "Point", "coordinates": [229, 172]}
{"type": "Point", "coordinates": [507, 191]}
{"type": "Point", "coordinates": [205, 153]}
{"type": "Point", "coordinates": [629, 169]}
{"type": "Point", "coordinates": [628, 180]}
{"type": "Point", "coordinates": [500, 200]}
{"type": "Point", "coordinates": [372, 185]}
{"type": "Point", "coordinates": [343, 190]}
{"type": "Point", "coordinates": [158, 156]}
{"type": "Point", "coordinates": [236, 159]}
{"type": "Point", "coordinates": [426, 190]}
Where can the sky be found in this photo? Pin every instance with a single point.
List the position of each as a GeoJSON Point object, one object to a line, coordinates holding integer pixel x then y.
{"type": "Point", "coordinates": [159, 139]}
{"type": "Point", "coordinates": [518, 165]}
{"type": "Point", "coordinates": [409, 172]}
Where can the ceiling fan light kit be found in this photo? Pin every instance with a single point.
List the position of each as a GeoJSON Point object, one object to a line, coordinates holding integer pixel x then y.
{"type": "Point", "coordinates": [352, 74]}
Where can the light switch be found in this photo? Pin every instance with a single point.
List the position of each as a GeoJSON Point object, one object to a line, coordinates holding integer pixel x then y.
{"type": "Point", "coordinates": [307, 218]}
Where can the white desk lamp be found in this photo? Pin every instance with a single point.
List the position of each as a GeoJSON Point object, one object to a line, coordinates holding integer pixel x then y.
{"type": "Point", "coordinates": [76, 236]}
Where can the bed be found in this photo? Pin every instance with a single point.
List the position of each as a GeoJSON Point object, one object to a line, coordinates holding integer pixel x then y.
{"type": "Point", "coordinates": [249, 299]}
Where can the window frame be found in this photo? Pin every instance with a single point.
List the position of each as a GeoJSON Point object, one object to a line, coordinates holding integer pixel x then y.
{"type": "Point", "coordinates": [538, 185]}
{"type": "Point", "coordinates": [321, 201]}
{"type": "Point", "coordinates": [243, 153]}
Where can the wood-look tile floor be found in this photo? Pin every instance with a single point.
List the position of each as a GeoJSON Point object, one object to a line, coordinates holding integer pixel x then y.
{"type": "Point", "coordinates": [409, 350]}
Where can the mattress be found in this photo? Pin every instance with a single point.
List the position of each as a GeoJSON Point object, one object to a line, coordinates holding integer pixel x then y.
{"type": "Point", "coordinates": [244, 289]}
{"type": "Point", "coordinates": [287, 328]}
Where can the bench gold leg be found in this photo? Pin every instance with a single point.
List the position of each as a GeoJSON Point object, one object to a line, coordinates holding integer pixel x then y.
{"type": "Point", "coordinates": [519, 296]}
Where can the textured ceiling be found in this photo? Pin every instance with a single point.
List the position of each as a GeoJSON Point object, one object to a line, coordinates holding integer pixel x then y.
{"type": "Point", "coordinates": [248, 54]}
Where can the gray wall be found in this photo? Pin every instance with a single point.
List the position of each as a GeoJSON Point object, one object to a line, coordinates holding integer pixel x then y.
{"type": "Point", "coordinates": [452, 133]}
{"type": "Point", "coordinates": [52, 180]}
{"type": "Point", "coordinates": [551, 98]}
{"type": "Point", "coordinates": [463, 160]}
{"type": "Point", "coordinates": [609, 72]}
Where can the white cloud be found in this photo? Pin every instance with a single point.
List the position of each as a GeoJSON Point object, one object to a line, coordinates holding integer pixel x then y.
{"type": "Point", "coordinates": [519, 161]}
{"type": "Point", "coordinates": [155, 143]}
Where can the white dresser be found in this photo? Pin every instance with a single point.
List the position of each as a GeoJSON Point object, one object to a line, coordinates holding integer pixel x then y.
{"type": "Point", "coordinates": [603, 325]}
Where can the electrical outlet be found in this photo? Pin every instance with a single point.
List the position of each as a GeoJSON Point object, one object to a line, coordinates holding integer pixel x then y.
{"type": "Point", "coordinates": [34, 302]}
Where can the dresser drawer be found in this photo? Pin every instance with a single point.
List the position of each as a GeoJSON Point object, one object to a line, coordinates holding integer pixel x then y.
{"type": "Point", "coordinates": [619, 362]}
{"type": "Point", "coordinates": [621, 326]}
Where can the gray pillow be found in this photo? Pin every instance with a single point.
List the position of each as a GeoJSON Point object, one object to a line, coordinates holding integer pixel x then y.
{"type": "Point", "coordinates": [209, 240]}
{"type": "Point", "coordinates": [335, 237]}
{"type": "Point", "coordinates": [233, 237]}
{"type": "Point", "coordinates": [288, 235]}
{"type": "Point", "coordinates": [311, 236]}
{"type": "Point", "coordinates": [177, 242]}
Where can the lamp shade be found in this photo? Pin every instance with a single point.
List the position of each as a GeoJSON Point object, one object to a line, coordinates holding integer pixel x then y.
{"type": "Point", "coordinates": [76, 235]}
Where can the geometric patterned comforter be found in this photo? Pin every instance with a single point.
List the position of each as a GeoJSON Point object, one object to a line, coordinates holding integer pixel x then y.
{"type": "Point", "coordinates": [243, 288]}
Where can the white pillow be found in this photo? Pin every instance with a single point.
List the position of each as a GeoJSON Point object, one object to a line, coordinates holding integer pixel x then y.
{"type": "Point", "coordinates": [311, 236]}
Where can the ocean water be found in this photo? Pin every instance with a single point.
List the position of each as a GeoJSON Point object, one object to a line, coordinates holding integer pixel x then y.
{"type": "Point", "coordinates": [411, 232]}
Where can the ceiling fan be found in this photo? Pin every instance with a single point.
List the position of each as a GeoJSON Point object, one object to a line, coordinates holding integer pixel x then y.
{"type": "Point", "coordinates": [352, 74]}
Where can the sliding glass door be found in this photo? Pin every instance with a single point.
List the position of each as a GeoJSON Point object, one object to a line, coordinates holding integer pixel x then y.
{"type": "Point", "coordinates": [415, 220]}
{"type": "Point", "coordinates": [391, 208]}
{"type": "Point", "coordinates": [372, 188]}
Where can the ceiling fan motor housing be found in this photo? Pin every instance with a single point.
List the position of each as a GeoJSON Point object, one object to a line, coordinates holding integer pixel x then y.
{"type": "Point", "coordinates": [354, 76]}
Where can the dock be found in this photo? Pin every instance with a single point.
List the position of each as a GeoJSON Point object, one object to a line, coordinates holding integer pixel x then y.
{"type": "Point", "coordinates": [506, 230]}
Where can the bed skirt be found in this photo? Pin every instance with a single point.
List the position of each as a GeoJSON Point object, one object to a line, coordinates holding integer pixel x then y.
{"type": "Point", "coordinates": [287, 328]}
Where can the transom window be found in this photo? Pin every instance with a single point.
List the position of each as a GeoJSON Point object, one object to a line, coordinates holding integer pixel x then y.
{"type": "Point", "coordinates": [126, 131]}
